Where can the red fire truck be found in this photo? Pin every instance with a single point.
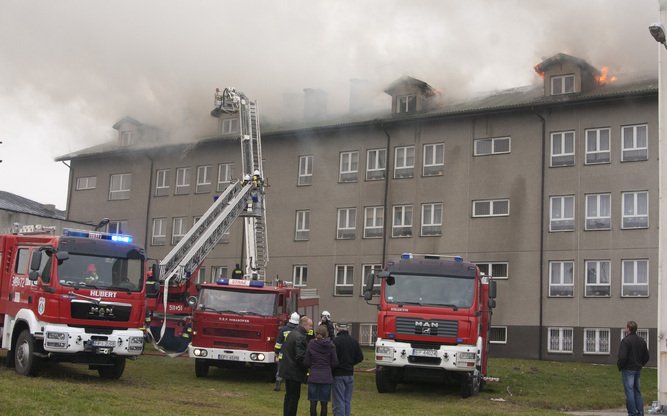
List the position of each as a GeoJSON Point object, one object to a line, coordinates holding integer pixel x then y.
{"type": "Point", "coordinates": [236, 321]}
{"type": "Point", "coordinates": [77, 298]}
{"type": "Point", "coordinates": [433, 322]}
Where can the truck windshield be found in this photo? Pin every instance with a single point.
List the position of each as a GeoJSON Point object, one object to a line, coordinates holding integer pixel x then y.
{"type": "Point", "coordinates": [110, 273]}
{"type": "Point", "coordinates": [412, 289]}
{"type": "Point", "coordinates": [241, 302]}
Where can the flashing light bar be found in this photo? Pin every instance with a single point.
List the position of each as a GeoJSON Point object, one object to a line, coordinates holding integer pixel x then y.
{"type": "Point", "coordinates": [410, 256]}
{"type": "Point", "coordinates": [240, 282]}
{"type": "Point", "coordinates": [120, 238]}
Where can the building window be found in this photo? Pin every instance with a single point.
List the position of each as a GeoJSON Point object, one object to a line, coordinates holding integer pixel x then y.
{"type": "Point", "coordinates": [89, 182]}
{"type": "Point", "coordinates": [300, 275]}
{"type": "Point", "coordinates": [598, 282]}
{"type": "Point", "coordinates": [498, 335]}
{"type": "Point", "coordinates": [560, 340]}
{"type": "Point", "coordinates": [597, 146]}
{"type": "Point", "coordinates": [562, 213]}
{"type": "Point", "coordinates": [224, 176]}
{"type": "Point", "coordinates": [598, 212]}
{"type": "Point", "coordinates": [125, 138]}
{"type": "Point", "coordinates": [404, 162]}
{"type": "Point", "coordinates": [366, 270]}
{"type": "Point", "coordinates": [162, 182]}
{"type": "Point", "coordinates": [368, 334]}
{"type": "Point", "coordinates": [218, 272]}
{"type": "Point", "coordinates": [159, 236]}
{"type": "Point", "coordinates": [635, 209]}
{"type": "Point", "coordinates": [201, 275]}
{"type": "Point", "coordinates": [182, 181]}
{"type": "Point", "coordinates": [562, 149]}
{"type": "Point", "coordinates": [635, 278]}
{"type": "Point", "coordinates": [373, 222]}
{"type": "Point", "coordinates": [117, 227]}
{"type": "Point", "coordinates": [305, 170]}
{"type": "Point", "coordinates": [302, 232]}
{"type": "Point", "coordinates": [561, 278]}
{"type": "Point", "coordinates": [492, 146]}
{"type": "Point", "coordinates": [204, 179]}
{"type": "Point", "coordinates": [642, 333]}
{"type": "Point", "coordinates": [119, 186]}
{"type": "Point", "coordinates": [434, 159]}
{"type": "Point", "coordinates": [230, 125]}
{"type": "Point", "coordinates": [178, 229]}
{"type": "Point", "coordinates": [562, 84]}
{"type": "Point", "coordinates": [431, 219]}
{"type": "Point", "coordinates": [406, 103]}
{"type": "Point", "coordinates": [349, 166]}
{"type": "Point", "coordinates": [634, 141]}
{"type": "Point", "coordinates": [376, 164]}
{"type": "Point", "coordinates": [402, 223]}
{"type": "Point", "coordinates": [347, 224]}
{"type": "Point", "coordinates": [491, 208]}
{"type": "Point", "coordinates": [344, 280]}
{"type": "Point", "coordinates": [496, 270]}
{"type": "Point", "coordinates": [596, 340]}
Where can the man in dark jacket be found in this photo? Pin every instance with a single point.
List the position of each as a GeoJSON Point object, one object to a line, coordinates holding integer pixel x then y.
{"type": "Point", "coordinates": [632, 356]}
{"type": "Point", "coordinates": [292, 369]}
{"type": "Point", "coordinates": [349, 354]}
{"type": "Point", "coordinates": [280, 339]}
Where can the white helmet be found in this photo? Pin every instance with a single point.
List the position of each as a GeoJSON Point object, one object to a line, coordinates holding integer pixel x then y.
{"type": "Point", "coordinates": [294, 318]}
{"type": "Point", "coordinates": [326, 314]}
{"type": "Point", "coordinates": [256, 172]}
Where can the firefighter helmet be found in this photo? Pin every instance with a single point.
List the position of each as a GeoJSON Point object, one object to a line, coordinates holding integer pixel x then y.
{"type": "Point", "coordinates": [294, 318]}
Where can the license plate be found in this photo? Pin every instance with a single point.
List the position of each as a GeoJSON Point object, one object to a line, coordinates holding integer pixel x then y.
{"type": "Point", "coordinates": [99, 343]}
{"type": "Point", "coordinates": [228, 357]}
{"type": "Point", "coordinates": [424, 353]}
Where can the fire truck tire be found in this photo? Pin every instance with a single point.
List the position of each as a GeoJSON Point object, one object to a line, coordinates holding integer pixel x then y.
{"type": "Point", "coordinates": [385, 380]}
{"type": "Point", "coordinates": [114, 371]}
{"type": "Point", "coordinates": [470, 383]}
{"type": "Point", "coordinates": [25, 361]}
{"type": "Point", "coordinates": [201, 367]}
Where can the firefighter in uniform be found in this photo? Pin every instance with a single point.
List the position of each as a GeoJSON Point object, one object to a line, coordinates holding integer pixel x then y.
{"type": "Point", "coordinates": [280, 338]}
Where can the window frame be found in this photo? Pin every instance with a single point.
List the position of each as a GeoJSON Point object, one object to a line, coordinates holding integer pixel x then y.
{"type": "Point", "coordinates": [177, 233]}
{"type": "Point", "coordinates": [83, 183]}
{"type": "Point", "coordinates": [597, 342]}
{"type": "Point", "coordinates": [562, 338]}
{"type": "Point", "coordinates": [599, 217]}
{"type": "Point", "coordinates": [162, 228]}
{"type": "Point", "coordinates": [305, 173]}
{"type": "Point", "coordinates": [593, 154]}
{"type": "Point", "coordinates": [504, 332]}
{"type": "Point", "coordinates": [375, 158]}
{"type": "Point", "coordinates": [302, 275]}
{"type": "Point", "coordinates": [568, 158]}
{"type": "Point", "coordinates": [635, 148]}
{"type": "Point", "coordinates": [406, 103]}
{"type": "Point", "coordinates": [302, 225]}
{"type": "Point", "coordinates": [635, 208]}
{"type": "Point", "coordinates": [493, 141]}
{"type": "Point", "coordinates": [377, 222]}
{"type": "Point", "coordinates": [348, 279]}
{"type": "Point", "coordinates": [490, 264]}
{"type": "Point", "coordinates": [162, 185]}
{"type": "Point", "coordinates": [229, 125]}
{"type": "Point", "coordinates": [635, 281]}
{"type": "Point", "coordinates": [562, 219]}
{"type": "Point", "coordinates": [594, 286]}
{"type": "Point", "coordinates": [205, 180]}
{"type": "Point", "coordinates": [395, 233]}
{"type": "Point", "coordinates": [433, 167]}
{"type": "Point", "coordinates": [562, 283]}
{"type": "Point", "coordinates": [225, 175]}
{"type": "Point", "coordinates": [183, 181]}
{"type": "Point", "coordinates": [436, 226]}
{"type": "Point", "coordinates": [347, 171]}
{"type": "Point", "coordinates": [124, 186]}
{"type": "Point", "coordinates": [563, 81]}
{"type": "Point", "coordinates": [347, 216]}
{"type": "Point", "coordinates": [402, 167]}
{"type": "Point", "coordinates": [492, 203]}
{"type": "Point", "coordinates": [366, 268]}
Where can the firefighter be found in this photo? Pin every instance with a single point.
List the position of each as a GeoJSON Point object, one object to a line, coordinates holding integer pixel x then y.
{"type": "Point", "coordinates": [91, 274]}
{"type": "Point", "coordinates": [280, 338]}
{"type": "Point", "coordinates": [326, 320]}
{"type": "Point", "coordinates": [237, 273]}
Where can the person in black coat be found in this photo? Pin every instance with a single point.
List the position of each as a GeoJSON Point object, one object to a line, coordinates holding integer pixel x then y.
{"type": "Point", "coordinates": [349, 354]}
{"type": "Point", "coordinates": [632, 356]}
{"type": "Point", "coordinates": [292, 368]}
{"type": "Point", "coordinates": [321, 358]}
{"type": "Point", "coordinates": [284, 330]}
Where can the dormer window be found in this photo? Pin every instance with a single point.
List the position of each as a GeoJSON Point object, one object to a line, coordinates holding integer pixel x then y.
{"type": "Point", "coordinates": [407, 103]}
{"type": "Point", "coordinates": [563, 84]}
{"type": "Point", "coordinates": [230, 125]}
{"type": "Point", "coordinates": [125, 138]}
{"type": "Point", "coordinates": [410, 95]}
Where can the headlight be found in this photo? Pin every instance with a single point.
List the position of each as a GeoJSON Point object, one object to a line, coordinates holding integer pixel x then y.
{"type": "Point", "coordinates": [255, 356]}
{"type": "Point", "coordinates": [56, 335]}
{"type": "Point", "coordinates": [382, 350]}
{"type": "Point", "coordinates": [467, 355]}
{"type": "Point", "coordinates": [200, 352]}
{"type": "Point", "coordinates": [136, 340]}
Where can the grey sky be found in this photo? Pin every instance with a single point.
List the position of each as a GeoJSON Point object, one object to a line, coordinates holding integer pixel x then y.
{"type": "Point", "coordinates": [70, 69]}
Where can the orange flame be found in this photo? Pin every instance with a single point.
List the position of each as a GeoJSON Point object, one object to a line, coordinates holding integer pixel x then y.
{"type": "Point", "coordinates": [604, 77]}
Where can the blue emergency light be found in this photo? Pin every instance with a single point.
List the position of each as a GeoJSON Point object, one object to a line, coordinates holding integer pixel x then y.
{"type": "Point", "coordinates": [121, 238]}
{"type": "Point", "coordinates": [240, 282]}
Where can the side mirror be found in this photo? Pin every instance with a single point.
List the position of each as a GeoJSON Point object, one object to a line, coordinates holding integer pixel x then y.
{"type": "Point", "coordinates": [492, 303]}
{"type": "Point", "coordinates": [33, 275]}
{"type": "Point", "coordinates": [492, 289]}
{"type": "Point", "coordinates": [368, 295]}
{"type": "Point", "coordinates": [391, 280]}
{"type": "Point", "coordinates": [62, 256]}
{"type": "Point", "coordinates": [35, 261]}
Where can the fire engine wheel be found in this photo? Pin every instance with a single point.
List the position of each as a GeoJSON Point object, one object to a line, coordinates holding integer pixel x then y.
{"type": "Point", "coordinates": [25, 362]}
{"type": "Point", "coordinates": [471, 383]}
{"type": "Point", "coordinates": [114, 371]}
{"type": "Point", "coordinates": [385, 381]}
{"type": "Point", "coordinates": [201, 367]}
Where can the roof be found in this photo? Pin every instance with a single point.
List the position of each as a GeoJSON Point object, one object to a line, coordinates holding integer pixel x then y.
{"type": "Point", "coordinates": [407, 80]}
{"type": "Point", "coordinates": [560, 58]}
{"type": "Point", "coordinates": [13, 202]}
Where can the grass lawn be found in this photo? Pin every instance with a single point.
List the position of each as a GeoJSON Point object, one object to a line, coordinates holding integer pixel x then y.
{"type": "Point", "coordinates": [158, 385]}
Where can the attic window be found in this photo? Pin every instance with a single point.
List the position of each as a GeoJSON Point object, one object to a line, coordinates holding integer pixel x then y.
{"type": "Point", "coordinates": [406, 103]}
{"type": "Point", "coordinates": [562, 84]}
{"type": "Point", "coordinates": [230, 125]}
{"type": "Point", "coordinates": [125, 138]}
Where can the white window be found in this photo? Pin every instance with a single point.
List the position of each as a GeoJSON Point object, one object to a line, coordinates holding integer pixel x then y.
{"type": "Point", "coordinates": [560, 340]}
{"type": "Point", "coordinates": [598, 212]}
{"type": "Point", "coordinates": [561, 278]}
{"type": "Point", "coordinates": [230, 125]}
{"type": "Point", "coordinates": [162, 182]}
{"type": "Point", "coordinates": [596, 340]}
{"type": "Point", "coordinates": [562, 84]}
{"type": "Point", "coordinates": [182, 181]}
{"type": "Point", "coordinates": [635, 278]}
{"type": "Point", "coordinates": [406, 103]}
{"type": "Point", "coordinates": [89, 182]}
{"type": "Point", "coordinates": [402, 222]}
{"type": "Point", "coordinates": [491, 208]}
{"type": "Point", "coordinates": [125, 138]}
{"type": "Point", "coordinates": [635, 209]}
{"type": "Point", "coordinates": [224, 176]}
{"type": "Point", "coordinates": [597, 146]}
{"type": "Point", "coordinates": [635, 143]}
{"type": "Point", "coordinates": [497, 270]}
{"type": "Point", "coordinates": [643, 333]}
{"type": "Point", "coordinates": [218, 272]}
{"type": "Point", "coordinates": [305, 170]}
{"type": "Point", "coordinates": [368, 334]}
{"type": "Point", "coordinates": [117, 227]}
{"type": "Point", "coordinates": [404, 162]}
{"type": "Point", "coordinates": [492, 146]}
{"type": "Point", "coordinates": [498, 335]}
{"type": "Point", "coordinates": [376, 164]}
{"type": "Point", "coordinates": [562, 213]}
{"type": "Point", "coordinates": [349, 166]}
{"type": "Point", "coordinates": [373, 222]}
{"type": "Point", "coordinates": [204, 178]}
{"type": "Point", "coordinates": [159, 236]}
{"type": "Point", "coordinates": [431, 219]}
{"type": "Point", "coordinates": [434, 159]}
{"type": "Point", "coordinates": [366, 270]}
{"type": "Point", "coordinates": [344, 280]}
{"type": "Point", "coordinates": [598, 278]}
{"type": "Point", "coordinates": [302, 232]}
{"type": "Point", "coordinates": [300, 275]}
{"type": "Point", "coordinates": [347, 224]}
{"type": "Point", "coordinates": [178, 229]}
{"type": "Point", "coordinates": [562, 148]}
{"type": "Point", "coordinates": [201, 275]}
{"type": "Point", "coordinates": [119, 186]}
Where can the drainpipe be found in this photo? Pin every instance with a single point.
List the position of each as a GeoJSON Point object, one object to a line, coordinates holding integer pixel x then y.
{"type": "Point", "coordinates": [69, 189]}
{"type": "Point", "coordinates": [542, 207]}
{"type": "Point", "coordinates": [385, 240]}
{"type": "Point", "coordinates": [148, 205]}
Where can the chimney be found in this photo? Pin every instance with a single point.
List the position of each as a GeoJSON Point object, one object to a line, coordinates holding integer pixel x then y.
{"type": "Point", "coordinates": [314, 104]}
{"type": "Point", "coordinates": [360, 95]}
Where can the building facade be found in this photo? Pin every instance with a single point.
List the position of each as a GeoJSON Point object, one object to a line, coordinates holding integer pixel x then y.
{"type": "Point", "coordinates": [552, 190]}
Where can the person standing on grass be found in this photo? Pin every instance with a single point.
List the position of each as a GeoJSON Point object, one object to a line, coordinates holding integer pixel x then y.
{"type": "Point", "coordinates": [283, 332]}
{"type": "Point", "coordinates": [349, 354]}
{"type": "Point", "coordinates": [321, 358]}
{"type": "Point", "coordinates": [292, 369]}
{"type": "Point", "coordinates": [632, 356]}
